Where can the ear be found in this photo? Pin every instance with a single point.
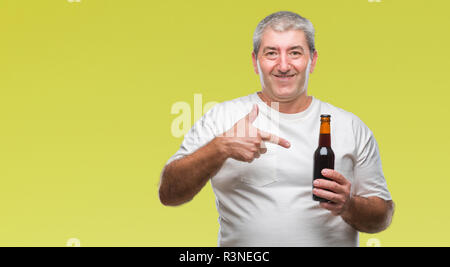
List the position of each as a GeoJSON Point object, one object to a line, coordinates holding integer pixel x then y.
{"type": "Point", "coordinates": [255, 64]}
{"type": "Point", "coordinates": [314, 61]}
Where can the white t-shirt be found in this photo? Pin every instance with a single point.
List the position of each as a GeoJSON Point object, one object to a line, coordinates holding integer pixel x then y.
{"type": "Point", "coordinates": [269, 202]}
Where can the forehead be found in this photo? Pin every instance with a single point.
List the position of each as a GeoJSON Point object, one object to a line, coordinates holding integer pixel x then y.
{"type": "Point", "coordinates": [283, 39]}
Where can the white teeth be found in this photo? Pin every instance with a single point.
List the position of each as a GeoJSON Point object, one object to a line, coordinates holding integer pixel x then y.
{"type": "Point", "coordinates": [285, 76]}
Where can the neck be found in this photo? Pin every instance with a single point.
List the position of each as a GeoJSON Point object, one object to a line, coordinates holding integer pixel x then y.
{"type": "Point", "coordinates": [290, 106]}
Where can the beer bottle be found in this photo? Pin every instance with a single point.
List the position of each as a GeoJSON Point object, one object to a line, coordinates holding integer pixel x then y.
{"type": "Point", "coordinates": [324, 155]}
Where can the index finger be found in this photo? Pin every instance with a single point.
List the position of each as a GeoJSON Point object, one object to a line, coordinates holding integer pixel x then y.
{"type": "Point", "coordinates": [334, 175]}
{"type": "Point", "coordinates": [274, 139]}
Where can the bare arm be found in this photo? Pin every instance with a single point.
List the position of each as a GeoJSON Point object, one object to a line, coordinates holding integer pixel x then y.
{"type": "Point", "coordinates": [182, 179]}
{"type": "Point", "coordinates": [370, 215]}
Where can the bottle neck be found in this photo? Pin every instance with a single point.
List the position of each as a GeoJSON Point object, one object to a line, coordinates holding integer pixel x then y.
{"type": "Point", "coordinates": [325, 140]}
{"type": "Point", "coordinates": [325, 137]}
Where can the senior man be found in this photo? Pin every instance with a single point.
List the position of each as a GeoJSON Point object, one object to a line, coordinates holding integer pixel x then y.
{"type": "Point", "coordinates": [257, 150]}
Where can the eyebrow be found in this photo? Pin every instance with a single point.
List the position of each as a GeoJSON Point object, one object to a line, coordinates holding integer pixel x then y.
{"type": "Point", "coordinates": [269, 48]}
{"type": "Point", "coordinates": [290, 48]}
{"type": "Point", "coordinates": [297, 47]}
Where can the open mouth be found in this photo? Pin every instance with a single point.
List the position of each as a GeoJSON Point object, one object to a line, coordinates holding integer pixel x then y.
{"type": "Point", "coordinates": [284, 77]}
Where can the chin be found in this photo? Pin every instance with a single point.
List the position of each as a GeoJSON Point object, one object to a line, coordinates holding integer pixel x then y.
{"type": "Point", "coordinates": [286, 92]}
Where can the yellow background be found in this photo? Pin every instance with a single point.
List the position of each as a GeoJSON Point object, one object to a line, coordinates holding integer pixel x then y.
{"type": "Point", "coordinates": [86, 91]}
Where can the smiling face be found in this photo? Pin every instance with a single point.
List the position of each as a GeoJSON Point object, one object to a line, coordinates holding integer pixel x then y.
{"type": "Point", "coordinates": [283, 64]}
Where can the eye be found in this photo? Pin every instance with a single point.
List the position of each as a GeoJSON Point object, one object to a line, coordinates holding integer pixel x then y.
{"type": "Point", "coordinates": [271, 54]}
{"type": "Point", "coordinates": [296, 53]}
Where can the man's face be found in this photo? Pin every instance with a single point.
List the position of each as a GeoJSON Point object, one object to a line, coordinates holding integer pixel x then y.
{"type": "Point", "coordinates": [284, 64]}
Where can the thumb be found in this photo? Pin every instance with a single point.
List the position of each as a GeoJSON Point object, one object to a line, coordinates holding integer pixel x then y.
{"type": "Point", "coordinates": [251, 117]}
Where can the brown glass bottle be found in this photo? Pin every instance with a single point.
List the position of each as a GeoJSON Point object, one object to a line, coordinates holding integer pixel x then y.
{"type": "Point", "coordinates": [324, 155]}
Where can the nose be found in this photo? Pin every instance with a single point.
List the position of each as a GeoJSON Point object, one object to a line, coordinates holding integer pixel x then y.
{"type": "Point", "coordinates": [284, 64]}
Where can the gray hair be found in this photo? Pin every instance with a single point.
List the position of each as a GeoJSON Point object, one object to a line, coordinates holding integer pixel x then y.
{"type": "Point", "coordinates": [282, 21]}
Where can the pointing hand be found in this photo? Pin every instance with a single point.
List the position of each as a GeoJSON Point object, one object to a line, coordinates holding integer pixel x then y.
{"type": "Point", "coordinates": [245, 142]}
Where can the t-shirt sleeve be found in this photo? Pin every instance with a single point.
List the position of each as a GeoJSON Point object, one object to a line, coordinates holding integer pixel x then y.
{"type": "Point", "coordinates": [201, 133]}
{"type": "Point", "coordinates": [369, 177]}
